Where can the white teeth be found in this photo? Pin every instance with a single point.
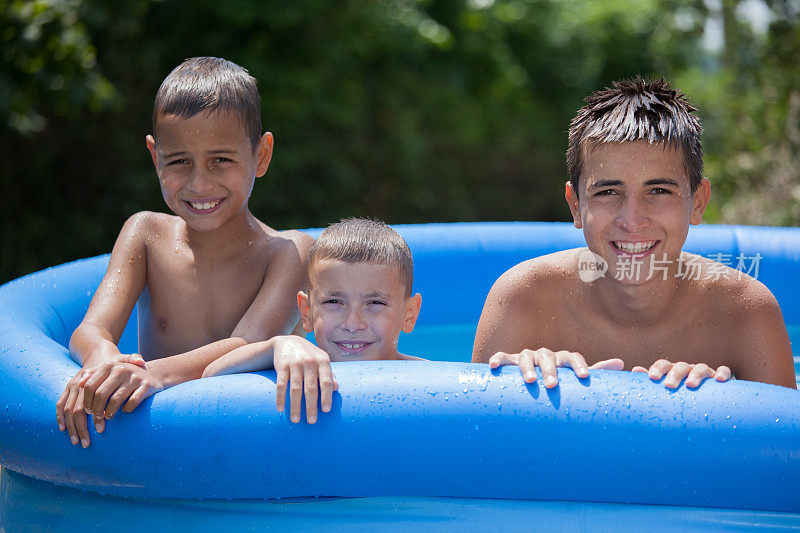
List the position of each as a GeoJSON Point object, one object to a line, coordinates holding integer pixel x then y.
{"type": "Point", "coordinates": [205, 205]}
{"type": "Point", "coordinates": [634, 247]}
{"type": "Point", "coordinates": [352, 346]}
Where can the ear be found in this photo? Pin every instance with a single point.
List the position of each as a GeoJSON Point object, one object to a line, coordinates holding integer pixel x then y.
{"type": "Point", "coordinates": [151, 146]}
{"type": "Point", "coordinates": [264, 150]}
{"type": "Point", "coordinates": [413, 304]}
{"type": "Point", "coordinates": [700, 200]}
{"type": "Point", "coordinates": [574, 206]}
{"type": "Point", "coordinates": [304, 305]}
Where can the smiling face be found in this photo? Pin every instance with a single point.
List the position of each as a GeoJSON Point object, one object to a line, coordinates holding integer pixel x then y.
{"type": "Point", "coordinates": [635, 204]}
{"type": "Point", "coordinates": [206, 166]}
{"type": "Point", "coordinates": [357, 310]}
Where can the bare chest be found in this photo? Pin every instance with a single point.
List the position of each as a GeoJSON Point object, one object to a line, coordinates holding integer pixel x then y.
{"type": "Point", "coordinates": [188, 303]}
{"type": "Point", "coordinates": [693, 338]}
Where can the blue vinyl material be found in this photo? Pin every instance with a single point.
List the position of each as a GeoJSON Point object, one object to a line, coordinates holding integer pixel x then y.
{"type": "Point", "coordinates": [414, 429]}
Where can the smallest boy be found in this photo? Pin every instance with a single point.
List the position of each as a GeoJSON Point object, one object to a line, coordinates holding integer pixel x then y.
{"type": "Point", "coordinates": [360, 274]}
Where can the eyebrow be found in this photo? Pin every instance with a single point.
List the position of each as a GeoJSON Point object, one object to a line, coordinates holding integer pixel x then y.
{"type": "Point", "coordinates": [174, 154]}
{"type": "Point", "coordinates": [339, 294]}
{"type": "Point", "coordinates": [616, 183]}
{"type": "Point", "coordinates": [210, 152]}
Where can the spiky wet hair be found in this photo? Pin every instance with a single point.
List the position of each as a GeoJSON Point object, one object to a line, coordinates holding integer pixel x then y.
{"type": "Point", "coordinates": [361, 240]}
{"type": "Point", "coordinates": [209, 84]}
{"type": "Point", "coordinates": [632, 110]}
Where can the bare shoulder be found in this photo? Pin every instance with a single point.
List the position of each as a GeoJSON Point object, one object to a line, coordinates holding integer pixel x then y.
{"type": "Point", "coordinates": [287, 243]}
{"type": "Point", "coordinates": [522, 302]}
{"type": "Point", "coordinates": [538, 278]}
{"type": "Point", "coordinates": [147, 225]}
{"type": "Point", "coordinates": [732, 291]}
{"type": "Point", "coordinates": [750, 321]}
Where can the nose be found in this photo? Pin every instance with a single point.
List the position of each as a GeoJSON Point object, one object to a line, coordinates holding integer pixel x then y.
{"type": "Point", "coordinates": [354, 319]}
{"type": "Point", "coordinates": [200, 182]}
{"type": "Point", "coordinates": [633, 214]}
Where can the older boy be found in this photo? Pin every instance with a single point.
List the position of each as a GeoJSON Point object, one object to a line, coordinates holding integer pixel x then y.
{"type": "Point", "coordinates": [636, 184]}
{"type": "Point", "coordinates": [360, 274]}
{"type": "Point", "coordinates": [208, 280]}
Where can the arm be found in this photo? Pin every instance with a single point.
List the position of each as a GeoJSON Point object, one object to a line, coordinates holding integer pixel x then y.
{"type": "Point", "coordinates": [507, 332]}
{"type": "Point", "coordinates": [295, 359]}
{"type": "Point", "coordinates": [95, 340]}
{"type": "Point", "coordinates": [273, 312]}
{"type": "Point", "coordinates": [763, 352]}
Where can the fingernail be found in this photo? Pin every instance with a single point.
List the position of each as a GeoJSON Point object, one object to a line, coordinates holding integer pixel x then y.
{"type": "Point", "coordinates": [84, 443]}
{"type": "Point", "coordinates": [551, 382]}
{"type": "Point", "coordinates": [295, 419]}
{"type": "Point", "coordinates": [74, 440]}
{"type": "Point", "coordinates": [61, 427]}
{"type": "Point", "coordinates": [312, 419]}
{"type": "Point", "coordinates": [529, 376]}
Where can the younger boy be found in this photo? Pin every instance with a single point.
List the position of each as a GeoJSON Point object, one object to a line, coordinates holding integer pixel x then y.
{"type": "Point", "coordinates": [208, 280]}
{"type": "Point", "coordinates": [636, 184]}
{"type": "Point", "coordinates": [360, 274]}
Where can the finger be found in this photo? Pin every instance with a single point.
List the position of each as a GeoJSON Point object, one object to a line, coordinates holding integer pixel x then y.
{"type": "Point", "coordinates": [723, 373]}
{"type": "Point", "coordinates": [527, 365]}
{"type": "Point", "coordinates": [678, 372]}
{"type": "Point", "coordinates": [638, 369]}
{"type": "Point", "coordinates": [139, 395]}
{"type": "Point", "coordinates": [327, 385]}
{"type": "Point", "coordinates": [295, 392]}
{"type": "Point", "coordinates": [84, 374]}
{"type": "Point", "coordinates": [281, 382]}
{"type": "Point", "coordinates": [69, 414]}
{"type": "Point", "coordinates": [547, 364]}
{"type": "Point", "coordinates": [134, 359]}
{"type": "Point", "coordinates": [311, 390]}
{"type": "Point", "coordinates": [62, 400]}
{"type": "Point", "coordinates": [90, 385]}
{"type": "Point", "coordinates": [104, 392]}
{"type": "Point", "coordinates": [117, 399]}
{"type": "Point", "coordinates": [658, 369]}
{"type": "Point", "coordinates": [698, 374]}
{"type": "Point", "coordinates": [99, 423]}
{"type": "Point", "coordinates": [575, 361]}
{"type": "Point", "coordinates": [81, 422]}
{"type": "Point", "coordinates": [503, 358]}
{"type": "Point", "coordinates": [613, 364]}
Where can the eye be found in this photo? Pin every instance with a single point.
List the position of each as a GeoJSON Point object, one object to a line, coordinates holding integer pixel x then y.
{"type": "Point", "coordinates": [332, 301]}
{"type": "Point", "coordinates": [376, 302]}
{"type": "Point", "coordinates": [605, 192]}
{"type": "Point", "coordinates": [221, 159]}
{"type": "Point", "coordinates": [660, 190]}
{"type": "Point", "coordinates": [176, 162]}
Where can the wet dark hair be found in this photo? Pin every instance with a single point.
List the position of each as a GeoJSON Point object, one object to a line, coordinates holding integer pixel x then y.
{"type": "Point", "coordinates": [361, 240]}
{"type": "Point", "coordinates": [632, 110]}
{"type": "Point", "coordinates": [209, 84]}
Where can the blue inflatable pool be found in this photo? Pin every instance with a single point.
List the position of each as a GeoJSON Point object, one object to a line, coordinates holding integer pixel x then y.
{"type": "Point", "coordinates": [434, 445]}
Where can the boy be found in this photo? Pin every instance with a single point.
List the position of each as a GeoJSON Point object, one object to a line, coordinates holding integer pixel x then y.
{"type": "Point", "coordinates": [208, 280]}
{"type": "Point", "coordinates": [360, 274]}
{"type": "Point", "coordinates": [636, 184]}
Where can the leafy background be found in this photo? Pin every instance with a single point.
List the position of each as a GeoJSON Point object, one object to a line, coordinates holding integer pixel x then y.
{"type": "Point", "coordinates": [410, 111]}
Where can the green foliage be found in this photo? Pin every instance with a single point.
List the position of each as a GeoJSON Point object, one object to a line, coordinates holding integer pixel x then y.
{"type": "Point", "coordinates": [411, 111]}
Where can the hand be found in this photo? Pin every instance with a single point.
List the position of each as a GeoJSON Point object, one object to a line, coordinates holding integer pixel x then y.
{"type": "Point", "coordinates": [70, 407]}
{"type": "Point", "coordinates": [548, 361]}
{"type": "Point", "coordinates": [676, 372]}
{"type": "Point", "coordinates": [308, 368]}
